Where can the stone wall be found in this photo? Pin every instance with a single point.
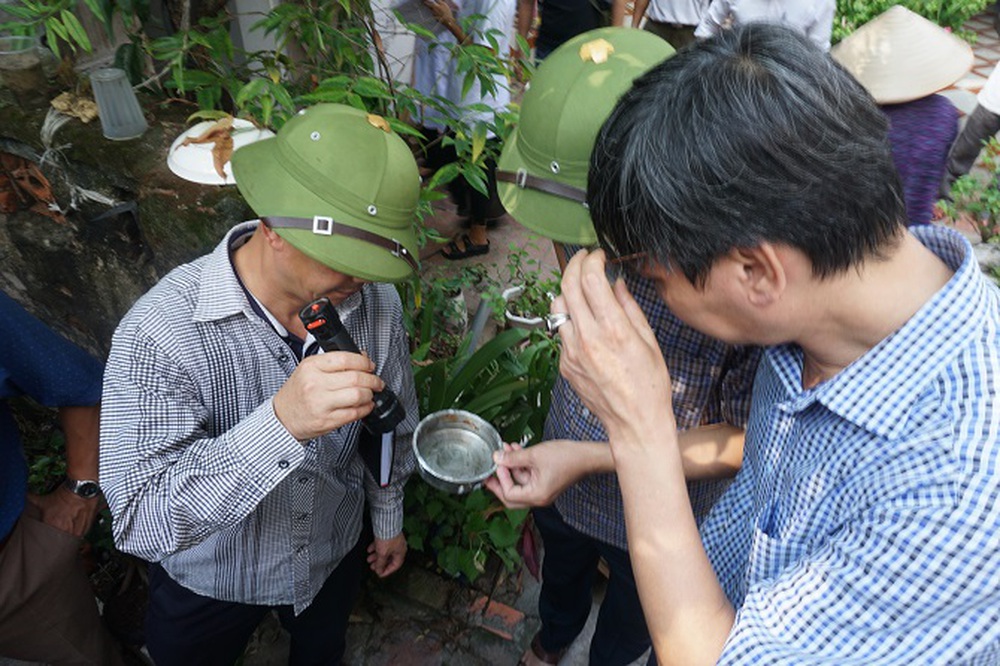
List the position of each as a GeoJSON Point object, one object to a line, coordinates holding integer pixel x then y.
{"type": "Point", "coordinates": [82, 276]}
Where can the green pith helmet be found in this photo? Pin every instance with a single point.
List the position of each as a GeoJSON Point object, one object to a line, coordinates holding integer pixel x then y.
{"type": "Point", "coordinates": [543, 166]}
{"type": "Point", "coordinates": [340, 186]}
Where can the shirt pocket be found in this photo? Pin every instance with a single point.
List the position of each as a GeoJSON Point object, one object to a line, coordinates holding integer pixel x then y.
{"type": "Point", "coordinates": [772, 550]}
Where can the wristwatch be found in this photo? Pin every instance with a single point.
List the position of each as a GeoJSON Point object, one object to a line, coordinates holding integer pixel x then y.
{"type": "Point", "coordinates": [84, 488]}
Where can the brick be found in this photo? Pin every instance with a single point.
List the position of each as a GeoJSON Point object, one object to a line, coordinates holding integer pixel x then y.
{"type": "Point", "coordinates": [496, 617]}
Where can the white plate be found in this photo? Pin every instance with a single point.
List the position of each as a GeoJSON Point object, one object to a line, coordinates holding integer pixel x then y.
{"type": "Point", "coordinates": [194, 161]}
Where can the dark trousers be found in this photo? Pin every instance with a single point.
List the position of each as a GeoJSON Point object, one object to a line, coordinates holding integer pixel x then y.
{"type": "Point", "coordinates": [979, 127]}
{"type": "Point", "coordinates": [675, 34]}
{"type": "Point", "coordinates": [186, 629]}
{"type": "Point", "coordinates": [480, 208]}
{"type": "Point", "coordinates": [568, 572]}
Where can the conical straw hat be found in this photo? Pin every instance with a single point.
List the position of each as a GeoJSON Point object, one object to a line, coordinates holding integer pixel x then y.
{"type": "Point", "coordinates": [900, 56]}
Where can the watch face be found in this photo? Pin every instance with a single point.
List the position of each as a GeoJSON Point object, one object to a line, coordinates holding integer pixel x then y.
{"type": "Point", "coordinates": [84, 489]}
{"type": "Point", "coordinates": [88, 489]}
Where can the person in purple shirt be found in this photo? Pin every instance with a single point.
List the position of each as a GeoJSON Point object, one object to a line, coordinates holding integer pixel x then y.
{"type": "Point", "coordinates": [920, 133]}
{"type": "Point", "coordinates": [902, 59]}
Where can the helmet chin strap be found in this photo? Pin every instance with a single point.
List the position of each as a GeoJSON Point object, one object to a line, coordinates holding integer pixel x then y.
{"type": "Point", "coordinates": [325, 226]}
{"type": "Point", "coordinates": [524, 180]}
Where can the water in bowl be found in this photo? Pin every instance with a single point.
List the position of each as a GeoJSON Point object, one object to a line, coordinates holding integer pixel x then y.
{"type": "Point", "coordinates": [457, 454]}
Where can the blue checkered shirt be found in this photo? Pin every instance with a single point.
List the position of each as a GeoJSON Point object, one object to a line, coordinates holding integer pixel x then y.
{"type": "Point", "coordinates": [863, 525]}
{"type": "Point", "coordinates": [200, 474]}
{"type": "Point", "coordinates": [711, 384]}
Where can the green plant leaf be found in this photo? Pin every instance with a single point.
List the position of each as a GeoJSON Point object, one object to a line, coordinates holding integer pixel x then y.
{"type": "Point", "coordinates": [503, 534]}
{"type": "Point", "coordinates": [52, 34]}
{"type": "Point", "coordinates": [444, 175]}
{"type": "Point", "coordinates": [482, 358]}
{"type": "Point", "coordinates": [478, 141]}
{"type": "Point", "coordinates": [498, 396]}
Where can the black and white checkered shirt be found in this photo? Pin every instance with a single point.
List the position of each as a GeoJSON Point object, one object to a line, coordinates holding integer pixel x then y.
{"type": "Point", "coordinates": [200, 474]}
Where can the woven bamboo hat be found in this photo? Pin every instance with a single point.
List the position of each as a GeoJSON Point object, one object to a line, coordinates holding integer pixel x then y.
{"type": "Point", "coordinates": [900, 56]}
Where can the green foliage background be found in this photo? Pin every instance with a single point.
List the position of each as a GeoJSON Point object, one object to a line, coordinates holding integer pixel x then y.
{"type": "Point", "coordinates": [852, 14]}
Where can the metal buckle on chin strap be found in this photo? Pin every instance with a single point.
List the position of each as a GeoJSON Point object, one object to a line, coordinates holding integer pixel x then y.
{"type": "Point", "coordinates": [521, 178]}
{"type": "Point", "coordinates": [400, 252]}
{"type": "Point", "coordinates": [322, 225]}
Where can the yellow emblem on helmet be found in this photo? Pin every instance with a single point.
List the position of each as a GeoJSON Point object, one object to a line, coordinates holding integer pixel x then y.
{"type": "Point", "coordinates": [597, 50]}
{"type": "Point", "coordinates": [378, 121]}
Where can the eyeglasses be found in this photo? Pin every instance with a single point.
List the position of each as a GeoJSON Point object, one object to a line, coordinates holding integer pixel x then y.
{"type": "Point", "coordinates": [634, 263]}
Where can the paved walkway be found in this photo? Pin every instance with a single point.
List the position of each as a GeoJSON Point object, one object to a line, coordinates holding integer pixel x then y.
{"type": "Point", "coordinates": [987, 52]}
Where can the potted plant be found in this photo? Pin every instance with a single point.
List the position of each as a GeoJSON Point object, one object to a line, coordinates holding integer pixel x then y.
{"type": "Point", "coordinates": [527, 299]}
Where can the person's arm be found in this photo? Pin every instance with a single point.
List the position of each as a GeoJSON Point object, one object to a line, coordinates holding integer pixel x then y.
{"type": "Point", "coordinates": [713, 19]}
{"type": "Point", "coordinates": [638, 12]}
{"type": "Point", "coordinates": [170, 481]}
{"type": "Point", "coordinates": [613, 361]}
{"type": "Point", "coordinates": [62, 508]}
{"type": "Point", "coordinates": [617, 12]}
{"type": "Point", "coordinates": [56, 373]}
{"type": "Point", "coordinates": [537, 475]}
{"type": "Point", "coordinates": [446, 17]}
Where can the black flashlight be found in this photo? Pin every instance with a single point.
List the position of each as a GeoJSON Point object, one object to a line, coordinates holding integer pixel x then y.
{"type": "Point", "coordinates": [321, 319]}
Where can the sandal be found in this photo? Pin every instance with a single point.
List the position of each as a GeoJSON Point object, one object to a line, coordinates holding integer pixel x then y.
{"type": "Point", "coordinates": [453, 252]}
{"type": "Point", "coordinates": [541, 654]}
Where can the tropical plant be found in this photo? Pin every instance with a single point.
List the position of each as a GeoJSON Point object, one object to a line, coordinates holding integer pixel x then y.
{"type": "Point", "coordinates": [852, 14]}
{"type": "Point", "coordinates": [537, 288]}
{"type": "Point", "coordinates": [461, 531]}
{"type": "Point", "coordinates": [975, 198]}
{"type": "Point", "coordinates": [65, 35]}
{"type": "Point", "coordinates": [508, 381]}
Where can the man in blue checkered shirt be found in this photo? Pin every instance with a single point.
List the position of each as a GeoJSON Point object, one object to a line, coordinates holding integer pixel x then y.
{"type": "Point", "coordinates": [756, 176]}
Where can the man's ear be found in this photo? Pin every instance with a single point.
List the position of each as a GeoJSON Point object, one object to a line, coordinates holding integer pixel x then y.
{"type": "Point", "coordinates": [762, 273]}
{"type": "Point", "coordinates": [271, 236]}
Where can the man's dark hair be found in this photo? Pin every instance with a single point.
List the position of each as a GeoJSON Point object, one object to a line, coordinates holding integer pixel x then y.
{"type": "Point", "coordinates": [753, 135]}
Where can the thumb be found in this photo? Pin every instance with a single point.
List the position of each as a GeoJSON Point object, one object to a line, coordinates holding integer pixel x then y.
{"type": "Point", "coordinates": [512, 457]}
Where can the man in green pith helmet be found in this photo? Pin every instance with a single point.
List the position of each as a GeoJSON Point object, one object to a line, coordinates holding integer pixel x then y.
{"type": "Point", "coordinates": [229, 444]}
{"type": "Point", "coordinates": [543, 180]}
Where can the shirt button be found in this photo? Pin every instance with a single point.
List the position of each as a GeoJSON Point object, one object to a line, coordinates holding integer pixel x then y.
{"type": "Point", "coordinates": [300, 549]}
{"type": "Point", "coordinates": [303, 516]}
{"type": "Point", "coordinates": [303, 479]}
{"type": "Point", "coordinates": [283, 464]}
{"type": "Point", "coordinates": [282, 357]}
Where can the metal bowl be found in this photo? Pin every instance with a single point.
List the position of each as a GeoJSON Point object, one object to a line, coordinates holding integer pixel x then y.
{"type": "Point", "coordinates": [454, 450]}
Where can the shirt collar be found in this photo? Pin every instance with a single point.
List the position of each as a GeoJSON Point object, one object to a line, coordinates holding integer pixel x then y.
{"type": "Point", "coordinates": [220, 294]}
{"type": "Point", "coordinates": [877, 391]}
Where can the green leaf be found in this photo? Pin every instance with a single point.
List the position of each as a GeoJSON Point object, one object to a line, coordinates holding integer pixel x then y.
{"type": "Point", "coordinates": [435, 397]}
{"type": "Point", "coordinates": [503, 534]}
{"type": "Point", "coordinates": [75, 30]}
{"type": "Point", "coordinates": [481, 359]}
{"type": "Point", "coordinates": [281, 96]}
{"type": "Point", "coordinates": [206, 114]}
{"type": "Point", "coordinates": [369, 87]}
{"type": "Point", "coordinates": [444, 175]}
{"type": "Point", "coordinates": [128, 57]}
{"type": "Point", "coordinates": [51, 36]}
{"type": "Point", "coordinates": [96, 9]}
{"type": "Point", "coordinates": [254, 88]}
{"type": "Point", "coordinates": [478, 141]}
{"type": "Point", "coordinates": [496, 397]}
